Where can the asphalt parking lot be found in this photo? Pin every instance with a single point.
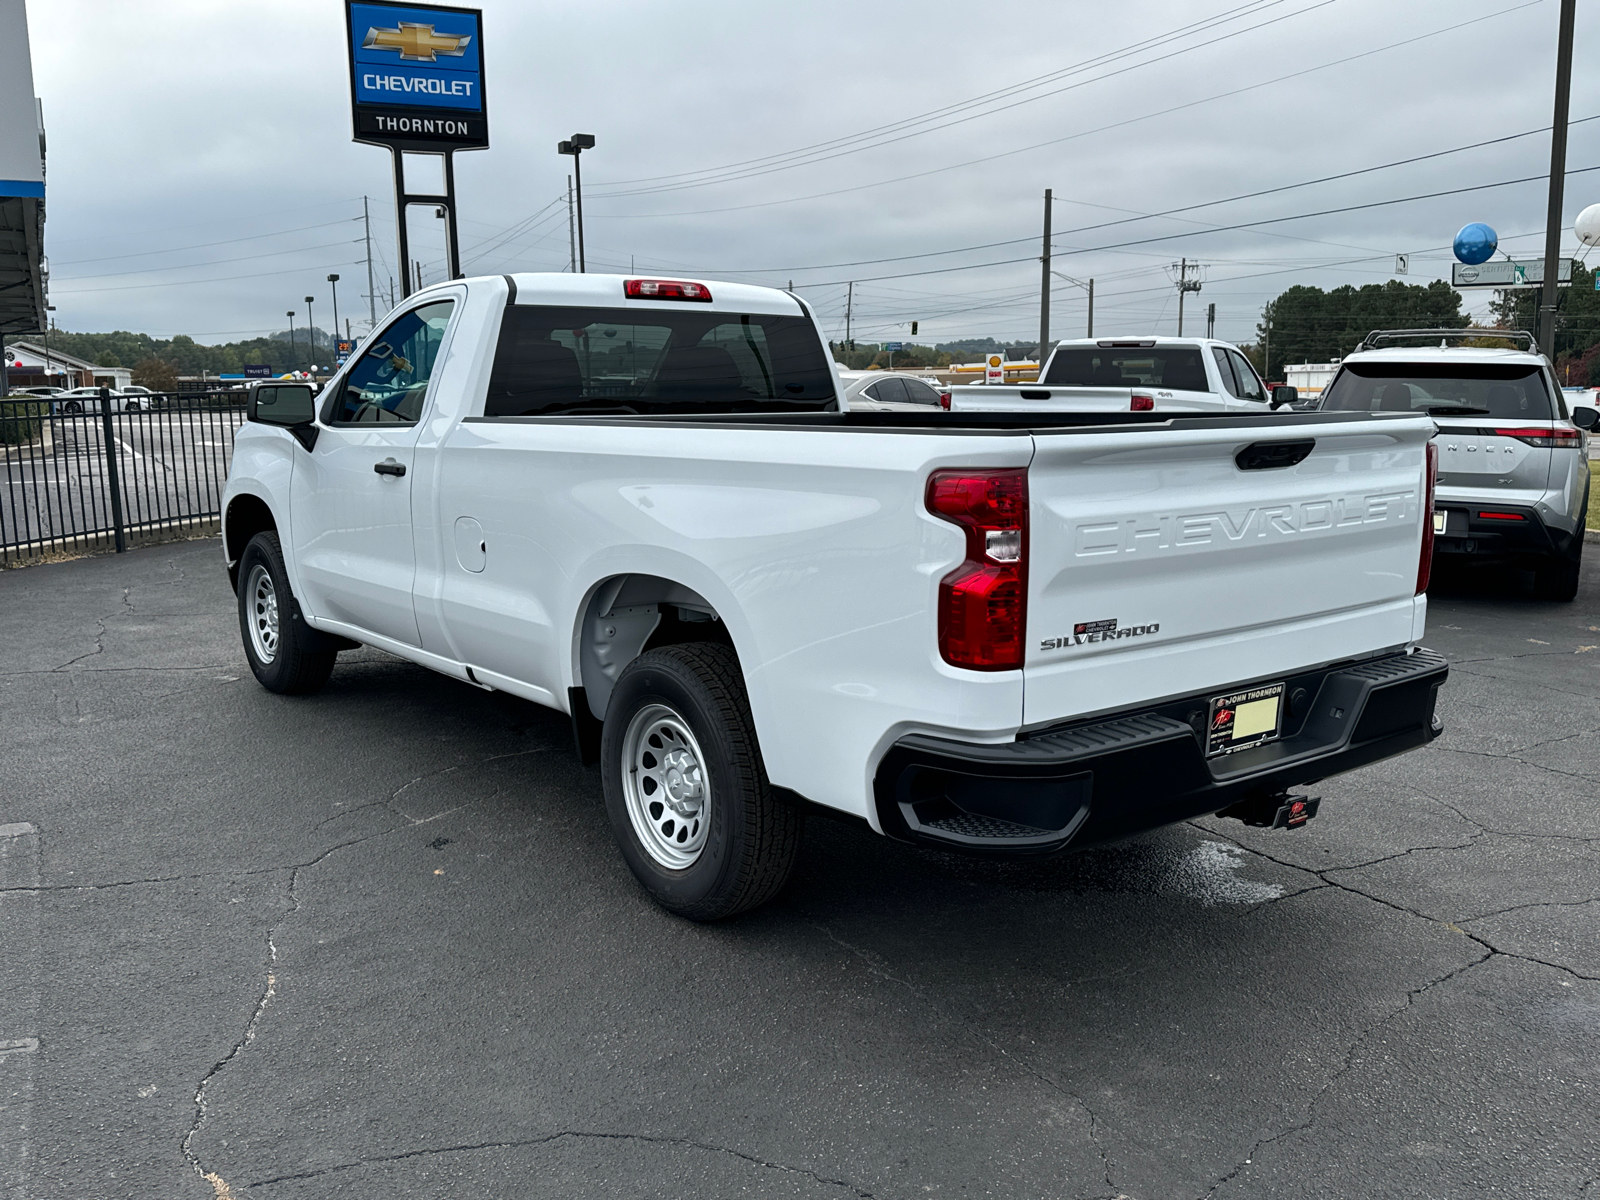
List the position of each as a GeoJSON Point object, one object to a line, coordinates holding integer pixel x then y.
{"type": "Point", "coordinates": [378, 942]}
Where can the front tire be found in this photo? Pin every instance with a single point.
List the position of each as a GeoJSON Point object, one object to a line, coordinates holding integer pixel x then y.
{"type": "Point", "coordinates": [285, 655]}
{"type": "Point", "coordinates": [693, 812]}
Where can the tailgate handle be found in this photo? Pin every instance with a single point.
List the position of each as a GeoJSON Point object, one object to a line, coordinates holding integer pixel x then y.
{"type": "Point", "coordinates": [1034, 394]}
{"type": "Point", "coordinates": [1266, 456]}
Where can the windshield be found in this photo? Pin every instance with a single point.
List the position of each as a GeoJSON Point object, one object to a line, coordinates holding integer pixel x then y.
{"type": "Point", "coordinates": [1510, 391]}
{"type": "Point", "coordinates": [1175, 367]}
{"type": "Point", "coordinates": [614, 360]}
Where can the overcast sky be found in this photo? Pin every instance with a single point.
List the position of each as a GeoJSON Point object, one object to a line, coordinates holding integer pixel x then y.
{"type": "Point", "coordinates": [201, 177]}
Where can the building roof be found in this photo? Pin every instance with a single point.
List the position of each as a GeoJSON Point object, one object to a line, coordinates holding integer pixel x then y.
{"type": "Point", "coordinates": [55, 359]}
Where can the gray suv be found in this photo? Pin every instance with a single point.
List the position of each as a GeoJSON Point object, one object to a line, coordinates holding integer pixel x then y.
{"type": "Point", "coordinates": [1513, 481]}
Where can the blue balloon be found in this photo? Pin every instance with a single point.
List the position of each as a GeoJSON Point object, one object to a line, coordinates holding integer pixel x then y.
{"type": "Point", "coordinates": [1476, 243]}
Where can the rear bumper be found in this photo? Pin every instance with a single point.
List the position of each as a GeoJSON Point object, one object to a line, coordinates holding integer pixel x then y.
{"type": "Point", "coordinates": [1519, 532]}
{"type": "Point", "coordinates": [1137, 771]}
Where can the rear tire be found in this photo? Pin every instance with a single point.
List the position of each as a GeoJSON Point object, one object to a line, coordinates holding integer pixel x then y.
{"type": "Point", "coordinates": [1557, 577]}
{"type": "Point", "coordinates": [286, 656]}
{"type": "Point", "coordinates": [693, 812]}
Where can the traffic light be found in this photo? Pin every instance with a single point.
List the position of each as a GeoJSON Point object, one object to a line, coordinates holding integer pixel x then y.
{"type": "Point", "coordinates": [913, 329]}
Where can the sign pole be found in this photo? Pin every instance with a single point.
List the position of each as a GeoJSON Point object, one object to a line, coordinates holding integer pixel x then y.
{"type": "Point", "coordinates": [1558, 177]}
{"type": "Point", "coordinates": [402, 235]}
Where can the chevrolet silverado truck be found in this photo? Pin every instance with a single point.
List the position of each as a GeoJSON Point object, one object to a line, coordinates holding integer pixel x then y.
{"type": "Point", "coordinates": [1148, 374]}
{"type": "Point", "coordinates": [641, 503]}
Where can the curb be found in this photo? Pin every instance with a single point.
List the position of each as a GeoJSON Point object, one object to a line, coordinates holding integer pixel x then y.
{"type": "Point", "coordinates": [1591, 535]}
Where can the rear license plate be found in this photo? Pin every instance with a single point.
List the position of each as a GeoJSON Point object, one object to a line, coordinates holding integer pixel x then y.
{"type": "Point", "coordinates": [1241, 720]}
{"type": "Point", "coordinates": [1439, 519]}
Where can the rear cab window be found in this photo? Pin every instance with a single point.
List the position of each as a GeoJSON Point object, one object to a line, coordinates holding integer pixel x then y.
{"type": "Point", "coordinates": [1176, 368]}
{"type": "Point", "coordinates": [1505, 391]}
{"type": "Point", "coordinates": [555, 359]}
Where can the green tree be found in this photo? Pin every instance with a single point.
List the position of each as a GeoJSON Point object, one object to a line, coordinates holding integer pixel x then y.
{"type": "Point", "coordinates": [1577, 319]}
{"type": "Point", "coordinates": [107, 358]}
{"type": "Point", "coordinates": [155, 374]}
{"type": "Point", "coordinates": [1311, 325]}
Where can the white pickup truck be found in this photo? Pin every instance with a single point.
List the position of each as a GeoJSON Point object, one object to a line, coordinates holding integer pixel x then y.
{"type": "Point", "coordinates": [1145, 374]}
{"type": "Point", "coordinates": [637, 501]}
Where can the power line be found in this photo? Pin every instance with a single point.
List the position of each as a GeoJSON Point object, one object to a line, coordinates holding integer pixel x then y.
{"type": "Point", "coordinates": [216, 262]}
{"type": "Point", "coordinates": [253, 237]}
{"type": "Point", "coordinates": [990, 158]}
{"type": "Point", "coordinates": [807, 158]}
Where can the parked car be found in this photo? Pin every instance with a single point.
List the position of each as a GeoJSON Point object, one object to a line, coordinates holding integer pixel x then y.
{"type": "Point", "coordinates": [87, 400]}
{"type": "Point", "coordinates": [637, 502]}
{"type": "Point", "coordinates": [1513, 477]}
{"type": "Point", "coordinates": [36, 391]}
{"type": "Point", "coordinates": [881, 391]}
{"type": "Point", "coordinates": [1138, 374]}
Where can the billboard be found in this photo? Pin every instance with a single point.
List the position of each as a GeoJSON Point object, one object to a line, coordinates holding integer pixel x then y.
{"type": "Point", "coordinates": [257, 371]}
{"type": "Point", "coordinates": [416, 75]}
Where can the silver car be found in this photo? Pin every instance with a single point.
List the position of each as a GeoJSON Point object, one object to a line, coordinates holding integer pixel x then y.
{"type": "Point", "coordinates": [883, 392]}
{"type": "Point", "coordinates": [1513, 483]}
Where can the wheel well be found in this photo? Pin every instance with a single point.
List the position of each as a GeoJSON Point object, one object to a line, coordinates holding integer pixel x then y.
{"type": "Point", "coordinates": [630, 614]}
{"type": "Point", "coordinates": [247, 516]}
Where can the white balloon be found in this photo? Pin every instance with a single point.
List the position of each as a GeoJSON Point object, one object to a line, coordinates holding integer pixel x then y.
{"type": "Point", "coordinates": [1587, 226]}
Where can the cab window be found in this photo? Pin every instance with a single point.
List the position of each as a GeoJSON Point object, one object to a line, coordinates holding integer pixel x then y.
{"type": "Point", "coordinates": [390, 380]}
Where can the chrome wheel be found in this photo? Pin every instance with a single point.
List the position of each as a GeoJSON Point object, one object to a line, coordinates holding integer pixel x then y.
{"type": "Point", "coordinates": [665, 787]}
{"type": "Point", "coordinates": [261, 614]}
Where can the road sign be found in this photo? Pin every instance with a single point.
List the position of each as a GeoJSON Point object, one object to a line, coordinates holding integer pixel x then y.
{"type": "Point", "coordinates": [342, 348]}
{"type": "Point", "coordinates": [257, 371]}
{"type": "Point", "coordinates": [994, 369]}
{"type": "Point", "coordinates": [893, 347]}
{"type": "Point", "coordinates": [416, 75]}
{"type": "Point", "coordinates": [1402, 264]}
{"type": "Point", "coordinates": [1508, 273]}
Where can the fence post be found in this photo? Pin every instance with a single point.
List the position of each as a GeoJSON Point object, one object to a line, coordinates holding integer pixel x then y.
{"type": "Point", "coordinates": [113, 479]}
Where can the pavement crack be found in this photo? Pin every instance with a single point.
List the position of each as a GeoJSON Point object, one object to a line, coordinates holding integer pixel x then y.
{"type": "Point", "coordinates": [965, 1024]}
{"type": "Point", "coordinates": [575, 1135]}
{"type": "Point", "coordinates": [202, 1105]}
{"type": "Point", "coordinates": [1311, 1105]}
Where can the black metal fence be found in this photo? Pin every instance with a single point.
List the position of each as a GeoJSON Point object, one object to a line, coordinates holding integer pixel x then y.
{"type": "Point", "coordinates": [112, 471]}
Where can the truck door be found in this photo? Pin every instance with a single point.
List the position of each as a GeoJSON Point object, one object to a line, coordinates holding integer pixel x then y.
{"type": "Point", "coordinates": [352, 521]}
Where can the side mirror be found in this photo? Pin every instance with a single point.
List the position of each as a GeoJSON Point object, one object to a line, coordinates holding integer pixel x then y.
{"type": "Point", "coordinates": [285, 404]}
{"type": "Point", "coordinates": [1584, 417]}
{"type": "Point", "coordinates": [1283, 394]}
{"type": "Point", "coordinates": [292, 406]}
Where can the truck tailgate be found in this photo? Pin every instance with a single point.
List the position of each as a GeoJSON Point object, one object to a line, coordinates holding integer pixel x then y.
{"type": "Point", "coordinates": [994, 398]}
{"type": "Point", "coordinates": [1159, 566]}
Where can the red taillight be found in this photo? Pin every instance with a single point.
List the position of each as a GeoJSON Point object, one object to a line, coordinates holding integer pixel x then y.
{"type": "Point", "coordinates": [944, 401]}
{"type": "Point", "coordinates": [983, 603]}
{"type": "Point", "coordinates": [1142, 403]}
{"type": "Point", "coordinates": [666, 289]}
{"type": "Point", "coordinates": [1425, 560]}
{"type": "Point", "coordinates": [1540, 436]}
{"type": "Point", "coordinates": [1501, 516]}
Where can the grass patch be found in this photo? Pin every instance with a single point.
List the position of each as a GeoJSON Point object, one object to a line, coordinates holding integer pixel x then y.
{"type": "Point", "coordinates": [20, 421]}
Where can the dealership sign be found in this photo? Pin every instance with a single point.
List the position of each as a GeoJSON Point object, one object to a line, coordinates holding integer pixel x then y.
{"type": "Point", "coordinates": [1508, 273]}
{"type": "Point", "coordinates": [416, 75]}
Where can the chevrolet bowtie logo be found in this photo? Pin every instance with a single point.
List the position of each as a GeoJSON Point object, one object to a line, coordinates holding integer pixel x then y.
{"type": "Point", "coordinates": [416, 43]}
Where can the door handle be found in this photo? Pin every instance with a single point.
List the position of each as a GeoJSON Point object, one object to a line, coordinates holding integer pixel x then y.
{"type": "Point", "coordinates": [389, 467]}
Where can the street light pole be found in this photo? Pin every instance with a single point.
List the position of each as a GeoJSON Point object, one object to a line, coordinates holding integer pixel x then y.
{"type": "Point", "coordinates": [311, 330]}
{"type": "Point", "coordinates": [294, 351]}
{"type": "Point", "coordinates": [1558, 178]}
{"type": "Point", "coordinates": [333, 280]}
{"type": "Point", "coordinates": [578, 143]}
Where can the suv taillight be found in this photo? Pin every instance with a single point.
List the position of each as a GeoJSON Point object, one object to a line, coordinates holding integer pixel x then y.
{"type": "Point", "coordinates": [1139, 402]}
{"type": "Point", "coordinates": [983, 603]}
{"type": "Point", "coordinates": [1425, 561]}
{"type": "Point", "coordinates": [944, 401]}
{"type": "Point", "coordinates": [1539, 436]}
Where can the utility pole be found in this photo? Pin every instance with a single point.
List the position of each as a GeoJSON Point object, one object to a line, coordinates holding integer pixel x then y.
{"type": "Point", "coordinates": [1211, 319]}
{"type": "Point", "coordinates": [391, 291]}
{"type": "Point", "coordinates": [1266, 352]}
{"type": "Point", "coordinates": [1091, 308]}
{"type": "Point", "coordinates": [849, 303]}
{"type": "Point", "coordinates": [1044, 286]}
{"type": "Point", "coordinates": [372, 292]}
{"type": "Point", "coordinates": [1185, 285]}
{"type": "Point", "coordinates": [1558, 178]}
{"type": "Point", "coordinates": [572, 237]}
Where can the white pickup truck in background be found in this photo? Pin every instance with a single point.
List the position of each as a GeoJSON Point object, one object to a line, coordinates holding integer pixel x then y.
{"type": "Point", "coordinates": [637, 502]}
{"type": "Point", "coordinates": [1150, 374]}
